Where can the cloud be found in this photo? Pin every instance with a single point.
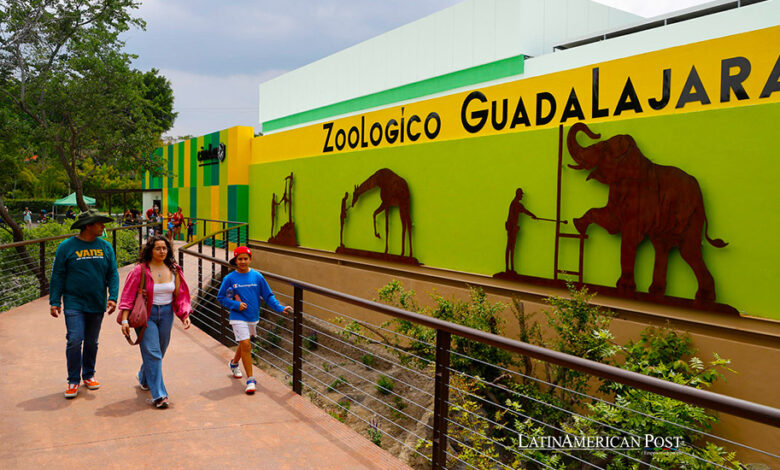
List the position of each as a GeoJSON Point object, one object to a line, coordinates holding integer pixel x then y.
{"type": "Point", "coordinates": [216, 53]}
{"type": "Point", "coordinates": [208, 103]}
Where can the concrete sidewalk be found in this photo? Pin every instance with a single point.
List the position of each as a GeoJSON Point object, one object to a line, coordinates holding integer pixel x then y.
{"type": "Point", "coordinates": [210, 424]}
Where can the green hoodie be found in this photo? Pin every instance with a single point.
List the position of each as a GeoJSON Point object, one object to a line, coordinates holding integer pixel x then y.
{"type": "Point", "coordinates": [81, 274]}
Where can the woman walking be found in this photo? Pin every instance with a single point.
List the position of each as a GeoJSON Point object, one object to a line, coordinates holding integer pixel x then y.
{"type": "Point", "coordinates": [166, 294]}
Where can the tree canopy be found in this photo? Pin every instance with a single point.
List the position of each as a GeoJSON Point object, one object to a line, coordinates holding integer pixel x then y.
{"type": "Point", "coordinates": [67, 83]}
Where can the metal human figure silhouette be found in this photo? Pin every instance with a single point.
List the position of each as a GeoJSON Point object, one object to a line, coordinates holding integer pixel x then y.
{"type": "Point", "coordinates": [273, 213]}
{"type": "Point", "coordinates": [286, 234]}
{"type": "Point", "coordinates": [394, 192]}
{"type": "Point", "coordinates": [343, 217]}
{"type": "Point", "coordinates": [287, 197]}
{"type": "Point", "coordinates": [515, 209]}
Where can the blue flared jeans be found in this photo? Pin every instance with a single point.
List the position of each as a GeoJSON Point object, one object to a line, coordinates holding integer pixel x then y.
{"type": "Point", "coordinates": [83, 330]}
{"type": "Point", "coordinates": [153, 346]}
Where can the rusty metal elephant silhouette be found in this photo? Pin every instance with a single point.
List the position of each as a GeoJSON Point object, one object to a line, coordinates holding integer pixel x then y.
{"type": "Point", "coordinates": [645, 200]}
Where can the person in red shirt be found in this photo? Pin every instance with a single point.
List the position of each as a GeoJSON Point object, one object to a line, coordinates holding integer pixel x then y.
{"type": "Point", "coordinates": [178, 219]}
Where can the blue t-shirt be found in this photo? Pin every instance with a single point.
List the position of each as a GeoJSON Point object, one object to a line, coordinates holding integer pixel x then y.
{"type": "Point", "coordinates": [250, 287]}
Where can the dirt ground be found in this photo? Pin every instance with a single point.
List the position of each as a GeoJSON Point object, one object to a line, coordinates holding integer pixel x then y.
{"type": "Point", "coordinates": [341, 377]}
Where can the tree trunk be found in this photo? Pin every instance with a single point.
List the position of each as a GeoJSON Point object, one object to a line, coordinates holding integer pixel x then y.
{"type": "Point", "coordinates": [73, 177]}
{"type": "Point", "coordinates": [18, 235]}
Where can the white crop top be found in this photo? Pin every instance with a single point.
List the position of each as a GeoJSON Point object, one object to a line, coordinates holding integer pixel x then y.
{"type": "Point", "coordinates": [163, 293]}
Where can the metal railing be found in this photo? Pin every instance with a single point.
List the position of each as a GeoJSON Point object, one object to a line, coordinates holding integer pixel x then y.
{"type": "Point", "coordinates": [25, 266]}
{"type": "Point", "coordinates": [426, 397]}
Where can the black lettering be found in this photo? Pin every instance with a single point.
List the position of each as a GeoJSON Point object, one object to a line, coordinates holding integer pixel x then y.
{"type": "Point", "coordinates": [363, 143]}
{"type": "Point", "coordinates": [481, 114]}
{"type": "Point", "coordinates": [773, 82]}
{"type": "Point", "coordinates": [432, 117]}
{"type": "Point", "coordinates": [666, 88]}
{"type": "Point", "coordinates": [391, 135]}
{"type": "Point", "coordinates": [595, 112]}
{"type": "Point", "coordinates": [402, 124]}
{"type": "Point", "coordinates": [730, 82]}
{"type": "Point", "coordinates": [540, 98]}
{"type": "Point", "coordinates": [328, 126]}
{"type": "Point", "coordinates": [343, 137]}
{"type": "Point", "coordinates": [378, 140]}
{"type": "Point", "coordinates": [628, 99]}
{"type": "Point", "coordinates": [572, 108]}
{"type": "Point", "coordinates": [499, 125]}
{"type": "Point", "coordinates": [693, 90]}
{"type": "Point", "coordinates": [521, 115]}
{"type": "Point", "coordinates": [412, 118]}
{"type": "Point", "coordinates": [353, 131]}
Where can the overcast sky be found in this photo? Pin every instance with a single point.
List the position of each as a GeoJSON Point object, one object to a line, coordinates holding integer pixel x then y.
{"type": "Point", "coordinates": [216, 53]}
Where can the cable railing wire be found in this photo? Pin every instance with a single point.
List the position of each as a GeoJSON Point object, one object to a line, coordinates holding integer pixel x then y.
{"type": "Point", "coordinates": [371, 368]}
{"type": "Point", "coordinates": [543, 423]}
{"type": "Point", "coordinates": [616, 405]}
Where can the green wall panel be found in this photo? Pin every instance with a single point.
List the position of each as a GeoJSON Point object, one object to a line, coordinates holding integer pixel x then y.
{"type": "Point", "coordinates": [180, 163]}
{"type": "Point", "coordinates": [193, 212]}
{"type": "Point", "coordinates": [193, 163]}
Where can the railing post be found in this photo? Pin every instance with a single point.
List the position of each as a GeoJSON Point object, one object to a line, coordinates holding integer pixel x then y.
{"type": "Point", "coordinates": [213, 255]}
{"type": "Point", "coordinates": [44, 283]}
{"type": "Point", "coordinates": [181, 260]}
{"type": "Point", "coordinates": [200, 269]}
{"type": "Point", "coordinates": [113, 241]}
{"type": "Point", "coordinates": [223, 314]}
{"type": "Point", "coordinates": [441, 397]}
{"type": "Point", "coordinates": [225, 245]}
{"type": "Point", "coordinates": [297, 333]}
{"type": "Point", "coordinates": [140, 238]}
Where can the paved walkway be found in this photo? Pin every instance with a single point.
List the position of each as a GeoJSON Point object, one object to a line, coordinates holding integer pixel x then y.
{"type": "Point", "coordinates": [210, 424]}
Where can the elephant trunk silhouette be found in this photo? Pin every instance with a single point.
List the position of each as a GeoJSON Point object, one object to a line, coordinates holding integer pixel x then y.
{"type": "Point", "coordinates": [645, 200]}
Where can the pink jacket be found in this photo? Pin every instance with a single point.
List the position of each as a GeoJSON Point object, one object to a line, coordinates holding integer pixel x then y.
{"type": "Point", "coordinates": [181, 299]}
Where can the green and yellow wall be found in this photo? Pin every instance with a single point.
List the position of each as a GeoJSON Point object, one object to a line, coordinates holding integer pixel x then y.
{"type": "Point", "coordinates": [463, 175]}
{"type": "Point", "coordinates": [463, 159]}
{"type": "Point", "coordinates": [217, 191]}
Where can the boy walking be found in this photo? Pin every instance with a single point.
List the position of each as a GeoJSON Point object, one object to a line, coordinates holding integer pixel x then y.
{"type": "Point", "coordinates": [240, 292]}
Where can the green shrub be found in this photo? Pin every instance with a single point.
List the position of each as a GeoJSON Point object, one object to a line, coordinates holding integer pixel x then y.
{"type": "Point", "coordinates": [476, 313]}
{"type": "Point", "coordinates": [384, 385]}
{"type": "Point", "coordinates": [367, 360]}
{"type": "Point", "coordinates": [338, 383]}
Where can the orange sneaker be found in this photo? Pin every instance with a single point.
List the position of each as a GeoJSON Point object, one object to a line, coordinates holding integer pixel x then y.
{"type": "Point", "coordinates": [92, 384]}
{"type": "Point", "coordinates": [72, 391]}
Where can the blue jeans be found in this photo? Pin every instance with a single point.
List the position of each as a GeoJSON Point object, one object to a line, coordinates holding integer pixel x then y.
{"type": "Point", "coordinates": [153, 346]}
{"type": "Point", "coordinates": [83, 329]}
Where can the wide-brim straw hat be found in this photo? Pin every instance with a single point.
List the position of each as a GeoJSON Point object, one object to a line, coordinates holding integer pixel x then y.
{"type": "Point", "coordinates": [91, 216]}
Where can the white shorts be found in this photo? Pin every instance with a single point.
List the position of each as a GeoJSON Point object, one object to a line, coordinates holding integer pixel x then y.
{"type": "Point", "coordinates": [243, 329]}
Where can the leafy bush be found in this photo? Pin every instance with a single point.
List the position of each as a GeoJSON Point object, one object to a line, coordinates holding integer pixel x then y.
{"type": "Point", "coordinates": [368, 360]}
{"type": "Point", "coordinates": [337, 384]}
{"type": "Point", "coordinates": [385, 385]}
{"type": "Point", "coordinates": [477, 313]}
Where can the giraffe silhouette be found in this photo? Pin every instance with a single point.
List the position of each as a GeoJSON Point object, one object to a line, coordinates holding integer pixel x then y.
{"type": "Point", "coordinates": [394, 192]}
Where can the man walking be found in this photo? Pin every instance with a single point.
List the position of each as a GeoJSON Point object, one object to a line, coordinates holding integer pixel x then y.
{"type": "Point", "coordinates": [84, 267]}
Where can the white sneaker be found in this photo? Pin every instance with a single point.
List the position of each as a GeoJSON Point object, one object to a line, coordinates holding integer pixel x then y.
{"type": "Point", "coordinates": [235, 370]}
{"type": "Point", "coordinates": [251, 386]}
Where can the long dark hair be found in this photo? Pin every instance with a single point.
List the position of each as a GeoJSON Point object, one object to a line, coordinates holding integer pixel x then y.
{"type": "Point", "coordinates": [146, 254]}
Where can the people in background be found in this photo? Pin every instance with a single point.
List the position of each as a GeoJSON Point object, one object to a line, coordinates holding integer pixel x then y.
{"type": "Point", "coordinates": [84, 269]}
{"type": "Point", "coordinates": [127, 218]}
{"type": "Point", "coordinates": [191, 227]}
{"type": "Point", "coordinates": [69, 214]}
{"type": "Point", "coordinates": [27, 218]}
{"type": "Point", "coordinates": [178, 220]}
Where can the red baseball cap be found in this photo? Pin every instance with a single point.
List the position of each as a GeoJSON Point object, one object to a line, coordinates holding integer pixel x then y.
{"type": "Point", "coordinates": [240, 250]}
